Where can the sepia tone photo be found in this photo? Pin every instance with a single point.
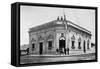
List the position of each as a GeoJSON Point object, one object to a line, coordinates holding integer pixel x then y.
{"type": "Point", "coordinates": [55, 34]}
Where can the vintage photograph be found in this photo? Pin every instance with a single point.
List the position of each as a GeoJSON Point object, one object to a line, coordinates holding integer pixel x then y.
{"type": "Point", "coordinates": [55, 34]}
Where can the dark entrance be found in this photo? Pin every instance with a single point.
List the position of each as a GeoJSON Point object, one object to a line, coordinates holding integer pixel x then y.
{"type": "Point", "coordinates": [41, 48]}
{"type": "Point", "coordinates": [61, 44]}
{"type": "Point", "coordinates": [84, 49]}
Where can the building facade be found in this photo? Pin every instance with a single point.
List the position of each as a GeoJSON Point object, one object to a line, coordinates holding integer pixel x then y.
{"type": "Point", "coordinates": [58, 37]}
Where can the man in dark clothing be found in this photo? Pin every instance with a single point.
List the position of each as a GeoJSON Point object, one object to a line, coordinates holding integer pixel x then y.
{"type": "Point", "coordinates": [27, 51]}
{"type": "Point", "coordinates": [57, 50]}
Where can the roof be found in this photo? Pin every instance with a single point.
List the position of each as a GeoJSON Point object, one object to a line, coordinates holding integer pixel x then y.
{"type": "Point", "coordinates": [79, 27]}
{"type": "Point", "coordinates": [46, 25]}
{"type": "Point", "coordinates": [54, 24]}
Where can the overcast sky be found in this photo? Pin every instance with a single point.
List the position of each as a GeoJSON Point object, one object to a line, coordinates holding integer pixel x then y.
{"type": "Point", "coordinates": [32, 16]}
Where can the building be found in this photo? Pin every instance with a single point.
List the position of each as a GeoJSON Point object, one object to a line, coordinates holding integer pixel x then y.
{"type": "Point", "coordinates": [24, 49]}
{"type": "Point", "coordinates": [59, 36]}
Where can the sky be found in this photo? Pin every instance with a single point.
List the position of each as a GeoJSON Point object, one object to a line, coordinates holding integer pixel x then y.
{"type": "Point", "coordinates": [32, 16]}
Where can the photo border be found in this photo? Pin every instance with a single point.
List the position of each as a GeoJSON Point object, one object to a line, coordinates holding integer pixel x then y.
{"type": "Point", "coordinates": [18, 4]}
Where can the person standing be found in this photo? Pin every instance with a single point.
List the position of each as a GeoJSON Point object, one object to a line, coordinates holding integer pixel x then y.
{"type": "Point", "coordinates": [27, 51]}
{"type": "Point", "coordinates": [57, 51]}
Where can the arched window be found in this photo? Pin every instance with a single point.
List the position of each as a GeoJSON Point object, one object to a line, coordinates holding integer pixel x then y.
{"type": "Point", "coordinates": [88, 44]}
{"type": "Point", "coordinates": [73, 42]}
{"type": "Point", "coordinates": [79, 43]}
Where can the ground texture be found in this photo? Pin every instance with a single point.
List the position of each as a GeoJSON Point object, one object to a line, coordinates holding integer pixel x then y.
{"type": "Point", "coordinates": [54, 58]}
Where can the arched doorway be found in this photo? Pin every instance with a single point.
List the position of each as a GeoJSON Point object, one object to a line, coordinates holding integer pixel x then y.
{"type": "Point", "coordinates": [84, 49]}
{"type": "Point", "coordinates": [62, 42]}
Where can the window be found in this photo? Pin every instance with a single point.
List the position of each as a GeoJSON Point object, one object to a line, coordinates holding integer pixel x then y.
{"type": "Point", "coordinates": [73, 42]}
{"type": "Point", "coordinates": [49, 45]}
{"type": "Point", "coordinates": [88, 44]}
{"type": "Point", "coordinates": [79, 43]}
{"type": "Point", "coordinates": [33, 46]}
{"type": "Point", "coordinates": [84, 48]}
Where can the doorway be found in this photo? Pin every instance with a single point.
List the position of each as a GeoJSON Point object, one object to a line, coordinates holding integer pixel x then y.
{"type": "Point", "coordinates": [84, 49]}
{"type": "Point", "coordinates": [61, 44]}
{"type": "Point", "coordinates": [41, 48]}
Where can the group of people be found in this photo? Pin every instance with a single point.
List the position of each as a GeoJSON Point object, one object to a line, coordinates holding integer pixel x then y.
{"type": "Point", "coordinates": [63, 51]}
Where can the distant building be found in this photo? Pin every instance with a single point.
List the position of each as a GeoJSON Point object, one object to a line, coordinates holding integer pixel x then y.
{"type": "Point", "coordinates": [24, 49]}
{"type": "Point", "coordinates": [56, 36]}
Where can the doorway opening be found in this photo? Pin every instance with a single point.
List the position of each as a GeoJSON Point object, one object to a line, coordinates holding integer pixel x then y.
{"type": "Point", "coordinates": [62, 43]}
{"type": "Point", "coordinates": [41, 48]}
{"type": "Point", "coordinates": [84, 49]}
